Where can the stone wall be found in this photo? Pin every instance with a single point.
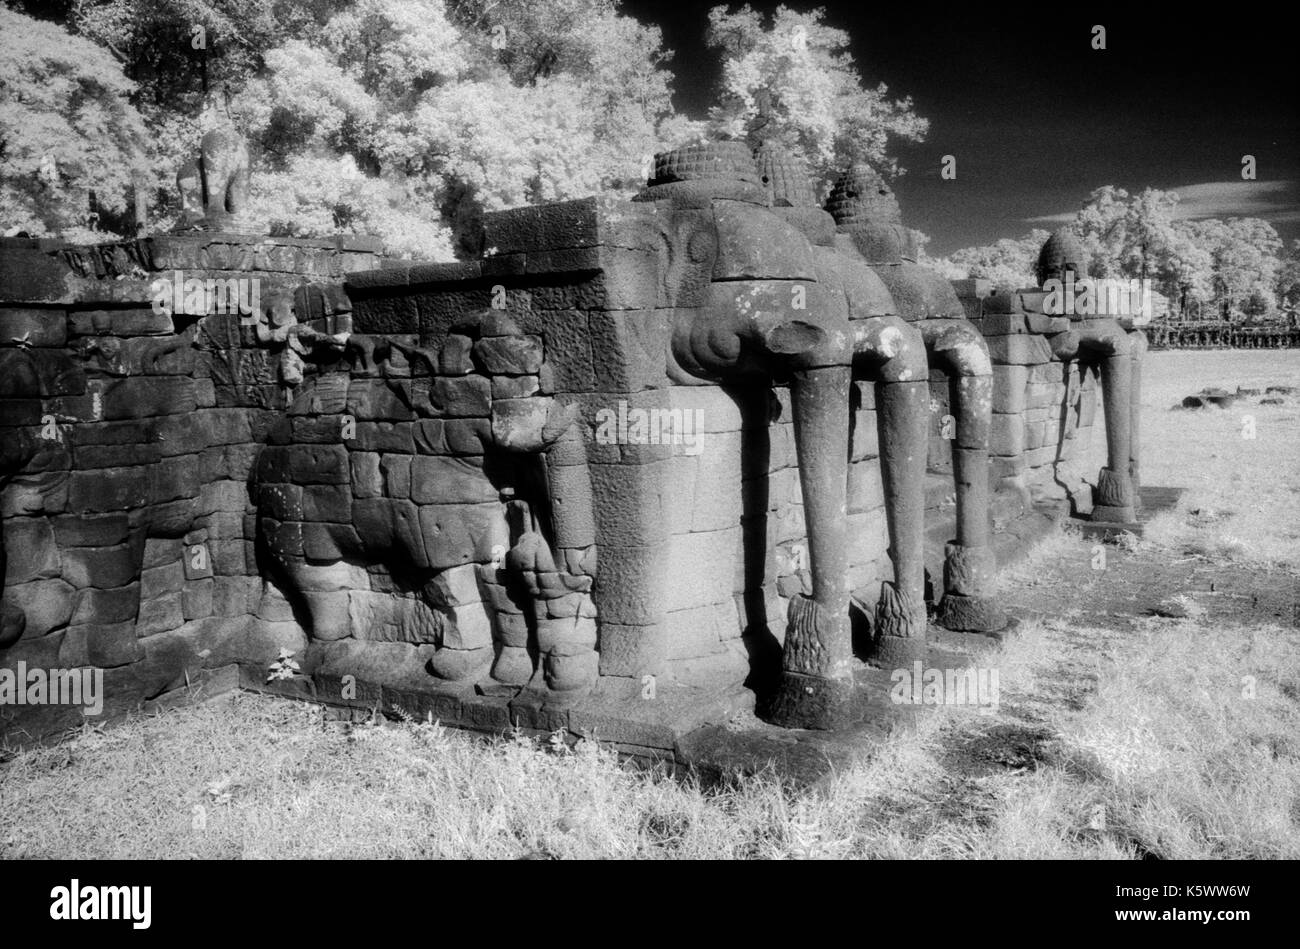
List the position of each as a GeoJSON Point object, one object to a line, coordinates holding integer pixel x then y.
{"type": "Point", "coordinates": [129, 435]}
{"type": "Point", "coordinates": [405, 475]}
{"type": "Point", "coordinates": [1044, 409]}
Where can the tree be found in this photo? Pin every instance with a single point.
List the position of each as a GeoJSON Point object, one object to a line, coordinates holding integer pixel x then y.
{"type": "Point", "coordinates": [421, 114]}
{"type": "Point", "coordinates": [1244, 252]}
{"type": "Point", "coordinates": [460, 110]}
{"type": "Point", "coordinates": [1288, 277]}
{"type": "Point", "coordinates": [1137, 237]}
{"type": "Point", "coordinates": [819, 108]}
{"type": "Point", "coordinates": [71, 144]}
{"type": "Point", "coordinates": [1008, 263]}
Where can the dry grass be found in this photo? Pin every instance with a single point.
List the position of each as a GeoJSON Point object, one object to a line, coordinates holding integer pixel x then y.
{"type": "Point", "coordinates": [1171, 737]}
{"type": "Point", "coordinates": [1246, 490]}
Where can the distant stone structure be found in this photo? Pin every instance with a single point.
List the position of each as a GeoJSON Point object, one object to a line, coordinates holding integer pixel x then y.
{"type": "Point", "coordinates": [1219, 334]}
{"type": "Point", "coordinates": [1046, 368]}
{"type": "Point", "coordinates": [643, 464]}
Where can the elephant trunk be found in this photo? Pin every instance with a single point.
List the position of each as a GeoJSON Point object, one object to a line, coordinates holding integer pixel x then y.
{"type": "Point", "coordinates": [1138, 338]}
{"type": "Point", "coordinates": [817, 667]}
{"type": "Point", "coordinates": [969, 565]}
{"type": "Point", "coordinates": [898, 351]}
{"type": "Point", "coordinates": [1115, 494]}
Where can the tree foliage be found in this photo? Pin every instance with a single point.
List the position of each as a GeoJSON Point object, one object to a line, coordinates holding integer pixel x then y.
{"type": "Point", "coordinates": [819, 107]}
{"type": "Point", "coordinates": [1008, 263]}
{"type": "Point", "coordinates": [1232, 266]}
{"type": "Point", "coordinates": [406, 118]}
{"type": "Point", "coordinates": [67, 130]}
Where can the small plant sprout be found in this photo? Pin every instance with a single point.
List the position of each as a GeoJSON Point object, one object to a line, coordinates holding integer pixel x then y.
{"type": "Point", "coordinates": [285, 667]}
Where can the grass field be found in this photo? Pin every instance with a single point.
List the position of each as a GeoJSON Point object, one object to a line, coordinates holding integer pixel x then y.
{"type": "Point", "coordinates": [1120, 733]}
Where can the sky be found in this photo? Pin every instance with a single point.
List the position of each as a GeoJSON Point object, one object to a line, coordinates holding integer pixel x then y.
{"type": "Point", "coordinates": [1037, 119]}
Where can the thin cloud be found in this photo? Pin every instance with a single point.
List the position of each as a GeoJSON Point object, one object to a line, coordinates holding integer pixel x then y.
{"type": "Point", "coordinates": [1276, 201]}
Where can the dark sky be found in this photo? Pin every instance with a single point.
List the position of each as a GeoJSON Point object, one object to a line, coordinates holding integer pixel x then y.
{"type": "Point", "coordinates": [1037, 119]}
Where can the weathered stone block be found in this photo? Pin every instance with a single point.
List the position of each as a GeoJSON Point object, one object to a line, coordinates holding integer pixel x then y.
{"type": "Point", "coordinates": [1020, 350]}
{"type": "Point", "coordinates": [701, 568]}
{"type": "Point", "coordinates": [449, 480]}
{"type": "Point", "coordinates": [106, 606]}
{"type": "Point", "coordinates": [466, 397]}
{"type": "Point", "coordinates": [509, 355]}
{"type": "Point", "coordinates": [375, 400]}
{"type": "Point", "coordinates": [633, 347]}
{"type": "Point", "coordinates": [698, 631]}
{"type": "Point", "coordinates": [569, 365]}
{"type": "Point", "coordinates": [517, 423]}
{"type": "Point", "coordinates": [159, 614]}
{"type": "Point", "coordinates": [109, 645]}
{"type": "Point", "coordinates": [330, 503]}
{"type": "Point", "coordinates": [514, 387]}
{"type": "Point", "coordinates": [395, 475]}
{"type": "Point", "coordinates": [367, 481]}
{"type": "Point", "coordinates": [467, 436]}
{"type": "Point", "coordinates": [631, 508]}
{"type": "Point", "coordinates": [461, 533]}
{"type": "Point", "coordinates": [227, 496]}
{"type": "Point", "coordinates": [144, 397]}
{"type": "Point", "coordinates": [303, 464]}
{"type": "Point", "coordinates": [33, 326]}
{"type": "Point", "coordinates": [31, 549]}
{"type": "Point", "coordinates": [633, 650]}
{"type": "Point", "coordinates": [197, 598]}
{"type": "Point", "coordinates": [109, 489]}
{"type": "Point", "coordinates": [1008, 435]}
{"type": "Point", "coordinates": [866, 487]}
{"type": "Point", "coordinates": [46, 604]}
{"type": "Point", "coordinates": [866, 436]}
{"type": "Point", "coordinates": [1009, 384]}
{"type": "Point", "coordinates": [454, 357]}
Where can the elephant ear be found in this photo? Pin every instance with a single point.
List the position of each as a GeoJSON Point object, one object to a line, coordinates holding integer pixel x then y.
{"type": "Point", "coordinates": [687, 249]}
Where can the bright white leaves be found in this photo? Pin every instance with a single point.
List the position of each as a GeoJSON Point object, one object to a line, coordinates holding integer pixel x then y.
{"type": "Point", "coordinates": [67, 128]}
{"type": "Point", "coordinates": [819, 108]}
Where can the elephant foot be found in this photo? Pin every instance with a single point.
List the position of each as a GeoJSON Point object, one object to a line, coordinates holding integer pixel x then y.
{"type": "Point", "coordinates": [1115, 498]}
{"type": "Point", "coordinates": [900, 628]}
{"type": "Point", "coordinates": [817, 678]}
{"type": "Point", "coordinates": [970, 614]}
{"type": "Point", "coordinates": [811, 701]}
{"type": "Point", "coordinates": [968, 571]}
{"type": "Point", "coordinates": [513, 666]}
{"type": "Point", "coordinates": [460, 664]}
{"type": "Point", "coordinates": [967, 606]}
{"type": "Point", "coordinates": [12, 624]}
{"type": "Point", "coordinates": [569, 669]}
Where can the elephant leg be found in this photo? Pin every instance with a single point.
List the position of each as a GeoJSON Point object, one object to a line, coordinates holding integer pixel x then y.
{"type": "Point", "coordinates": [324, 592]}
{"type": "Point", "coordinates": [817, 662]}
{"type": "Point", "coordinates": [570, 661]}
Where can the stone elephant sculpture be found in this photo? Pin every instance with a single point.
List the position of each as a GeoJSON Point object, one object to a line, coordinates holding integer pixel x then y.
{"type": "Point", "coordinates": [399, 501]}
{"type": "Point", "coordinates": [214, 185]}
{"type": "Point", "coordinates": [1098, 341]}
{"type": "Point", "coordinates": [869, 225]}
{"type": "Point", "coordinates": [734, 319]}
